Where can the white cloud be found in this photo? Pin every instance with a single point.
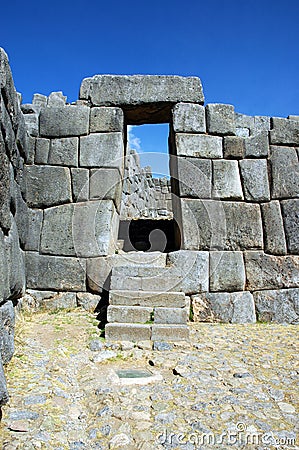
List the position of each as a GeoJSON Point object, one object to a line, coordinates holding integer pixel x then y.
{"type": "Point", "coordinates": [133, 141]}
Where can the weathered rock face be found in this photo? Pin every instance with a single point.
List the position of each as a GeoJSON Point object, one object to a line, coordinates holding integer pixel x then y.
{"type": "Point", "coordinates": [14, 151]}
{"type": "Point", "coordinates": [235, 307]}
{"type": "Point", "coordinates": [277, 305]}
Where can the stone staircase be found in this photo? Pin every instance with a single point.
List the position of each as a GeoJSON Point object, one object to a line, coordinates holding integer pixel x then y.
{"type": "Point", "coordinates": [145, 301]}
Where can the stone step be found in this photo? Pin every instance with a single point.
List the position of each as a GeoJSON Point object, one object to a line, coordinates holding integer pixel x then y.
{"type": "Point", "coordinates": [129, 314]}
{"type": "Point", "coordinates": [147, 298]}
{"type": "Point", "coordinates": [141, 259]}
{"type": "Point", "coordinates": [127, 332]}
{"type": "Point", "coordinates": [170, 333]}
{"type": "Point", "coordinates": [139, 314]}
{"type": "Point", "coordinates": [141, 332]}
{"type": "Point", "coordinates": [144, 278]}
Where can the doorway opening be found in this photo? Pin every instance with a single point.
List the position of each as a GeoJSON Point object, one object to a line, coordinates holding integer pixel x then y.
{"type": "Point", "coordinates": [147, 219]}
{"type": "Point", "coordinates": [149, 235]}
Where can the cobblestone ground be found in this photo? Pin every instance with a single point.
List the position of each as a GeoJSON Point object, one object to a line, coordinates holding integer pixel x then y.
{"type": "Point", "coordinates": [234, 386]}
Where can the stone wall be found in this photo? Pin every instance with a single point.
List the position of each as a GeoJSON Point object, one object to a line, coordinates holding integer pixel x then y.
{"type": "Point", "coordinates": [66, 184]}
{"type": "Point", "coordinates": [14, 153]}
{"type": "Point", "coordinates": [74, 190]}
{"type": "Point", "coordinates": [234, 183]}
{"type": "Point", "coordinates": [237, 179]}
{"type": "Point", "coordinates": [143, 196]}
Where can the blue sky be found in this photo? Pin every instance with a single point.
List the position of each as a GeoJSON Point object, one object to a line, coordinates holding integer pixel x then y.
{"type": "Point", "coordinates": [245, 52]}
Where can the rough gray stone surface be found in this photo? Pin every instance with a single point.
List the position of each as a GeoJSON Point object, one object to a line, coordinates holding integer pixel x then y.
{"type": "Point", "coordinates": [235, 307]}
{"type": "Point", "coordinates": [106, 184]}
{"type": "Point", "coordinates": [110, 90]}
{"type": "Point", "coordinates": [4, 270]}
{"type": "Point", "coordinates": [285, 172]}
{"type": "Point", "coordinates": [147, 298]}
{"type": "Point", "coordinates": [198, 145]}
{"type": "Point", "coordinates": [15, 263]}
{"type": "Point", "coordinates": [98, 274]}
{"type": "Point", "coordinates": [64, 121]}
{"type": "Point", "coordinates": [4, 398]}
{"type": "Point", "coordinates": [42, 148]}
{"type": "Point", "coordinates": [244, 121]}
{"type": "Point", "coordinates": [64, 152]}
{"type": "Point", "coordinates": [58, 300]}
{"type": "Point", "coordinates": [31, 121]}
{"type": "Point", "coordinates": [39, 101]}
{"type": "Point", "coordinates": [227, 272]}
{"type": "Point", "coordinates": [257, 146]}
{"type": "Point", "coordinates": [35, 218]}
{"type": "Point", "coordinates": [261, 123]}
{"type": "Point", "coordinates": [56, 99]}
{"type": "Point", "coordinates": [274, 235]}
{"type": "Point", "coordinates": [290, 212]}
{"type": "Point", "coordinates": [106, 119]}
{"type": "Point", "coordinates": [7, 327]}
{"type": "Point", "coordinates": [215, 225]}
{"type": "Point", "coordinates": [193, 267]}
{"type": "Point", "coordinates": [21, 215]}
{"type": "Point", "coordinates": [194, 177]}
{"type": "Point", "coordinates": [80, 184]}
{"type": "Point", "coordinates": [171, 315]}
{"type": "Point", "coordinates": [220, 119]}
{"type": "Point", "coordinates": [127, 332]}
{"type": "Point", "coordinates": [233, 147]}
{"type": "Point", "coordinates": [82, 229]}
{"type": "Point", "coordinates": [129, 314]}
{"type": "Point", "coordinates": [270, 272]}
{"type": "Point", "coordinates": [54, 272]}
{"type": "Point", "coordinates": [284, 131]}
{"type": "Point", "coordinates": [226, 180]}
{"type": "Point", "coordinates": [189, 118]}
{"type": "Point", "coordinates": [254, 174]}
{"type": "Point", "coordinates": [88, 301]}
{"type": "Point", "coordinates": [47, 186]}
{"type": "Point", "coordinates": [280, 306]}
{"type": "Point", "coordinates": [170, 333]}
{"type": "Point", "coordinates": [4, 189]}
{"type": "Point", "coordinates": [102, 150]}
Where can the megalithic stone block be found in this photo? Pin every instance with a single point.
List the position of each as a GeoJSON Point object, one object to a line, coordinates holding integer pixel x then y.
{"type": "Point", "coordinates": [271, 272]}
{"type": "Point", "coordinates": [227, 271]}
{"type": "Point", "coordinates": [290, 210]}
{"type": "Point", "coordinates": [284, 131]}
{"type": "Point", "coordinates": [285, 172]}
{"type": "Point", "coordinates": [106, 119]}
{"type": "Point", "coordinates": [108, 90]}
{"type": "Point", "coordinates": [47, 186]}
{"type": "Point", "coordinates": [233, 307]}
{"type": "Point", "coordinates": [254, 173]}
{"type": "Point", "coordinates": [85, 229]}
{"type": "Point", "coordinates": [226, 180]}
{"type": "Point", "coordinates": [220, 119]}
{"type": "Point", "coordinates": [64, 121]}
{"type": "Point", "coordinates": [218, 225]}
{"type": "Point", "coordinates": [55, 272]}
{"type": "Point", "coordinates": [189, 118]}
{"type": "Point", "coordinates": [102, 150]}
{"type": "Point", "coordinates": [274, 235]}
{"type": "Point", "coordinates": [277, 305]}
{"type": "Point", "coordinates": [198, 145]}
